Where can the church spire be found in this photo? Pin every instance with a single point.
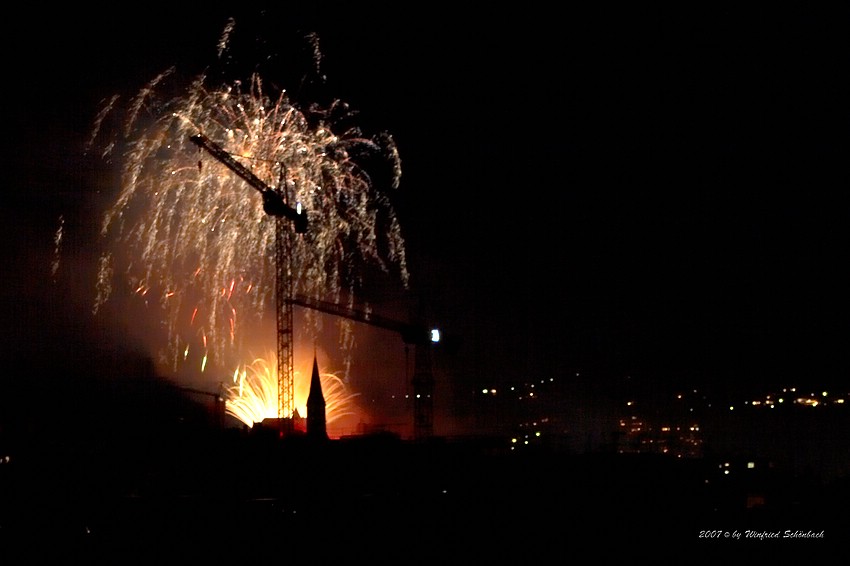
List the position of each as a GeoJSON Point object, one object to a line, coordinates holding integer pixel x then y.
{"type": "Point", "coordinates": [316, 418]}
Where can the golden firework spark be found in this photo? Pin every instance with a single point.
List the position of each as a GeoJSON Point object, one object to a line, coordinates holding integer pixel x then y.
{"type": "Point", "coordinates": [252, 396]}
{"type": "Point", "coordinates": [192, 237]}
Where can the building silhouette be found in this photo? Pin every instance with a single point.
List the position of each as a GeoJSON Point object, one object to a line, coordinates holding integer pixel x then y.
{"type": "Point", "coordinates": [316, 418]}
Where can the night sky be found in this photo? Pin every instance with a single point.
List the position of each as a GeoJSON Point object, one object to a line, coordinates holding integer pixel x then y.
{"type": "Point", "coordinates": [651, 193]}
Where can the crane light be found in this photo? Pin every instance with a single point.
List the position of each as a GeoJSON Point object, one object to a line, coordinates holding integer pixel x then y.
{"type": "Point", "coordinates": [300, 220]}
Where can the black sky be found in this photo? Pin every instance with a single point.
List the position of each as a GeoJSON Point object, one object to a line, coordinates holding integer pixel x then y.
{"type": "Point", "coordinates": [642, 192]}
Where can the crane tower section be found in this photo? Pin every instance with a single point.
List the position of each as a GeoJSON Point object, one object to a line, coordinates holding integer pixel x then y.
{"type": "Point", "coordinates": [283, 294]}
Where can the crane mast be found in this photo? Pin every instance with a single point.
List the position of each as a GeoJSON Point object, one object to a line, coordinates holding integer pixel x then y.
{"type": "Point", "coordinates": [284, 322]}
{"type": "Point", "coordinates": [274, 204]}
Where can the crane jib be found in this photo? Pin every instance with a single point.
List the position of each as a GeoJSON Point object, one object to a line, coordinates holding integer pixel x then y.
{"type": "Point", "coordinates": [273, 203]}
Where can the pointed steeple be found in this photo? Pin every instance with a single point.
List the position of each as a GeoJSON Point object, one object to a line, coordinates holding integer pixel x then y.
{"type": "Point", "coordinates": [316, 418]}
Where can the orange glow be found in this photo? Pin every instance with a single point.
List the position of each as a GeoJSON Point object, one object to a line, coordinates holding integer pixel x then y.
{"type": "Point", "coordinates": [253, 395]}
{"type": "Point", "coordinates": [185, 227]}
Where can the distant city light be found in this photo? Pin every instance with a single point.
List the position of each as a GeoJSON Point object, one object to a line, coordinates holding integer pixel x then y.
{"type": "Point", "coordinates": [435, 335]}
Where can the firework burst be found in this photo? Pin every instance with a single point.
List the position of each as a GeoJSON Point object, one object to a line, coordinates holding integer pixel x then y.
{"type": "Point", "coordinates": [192, 238]}
{"type": "Point", "coordinates": [252, 395]}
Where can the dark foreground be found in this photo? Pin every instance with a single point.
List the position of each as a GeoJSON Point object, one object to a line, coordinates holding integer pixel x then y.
{"type": "Point", "coordinates": [240, 500]}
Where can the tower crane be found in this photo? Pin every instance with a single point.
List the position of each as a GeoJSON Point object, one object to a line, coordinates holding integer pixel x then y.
{"type": "Point", "coordinates": [417, 335]}
{"type": "Point", "coordinates": [274, 204]}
